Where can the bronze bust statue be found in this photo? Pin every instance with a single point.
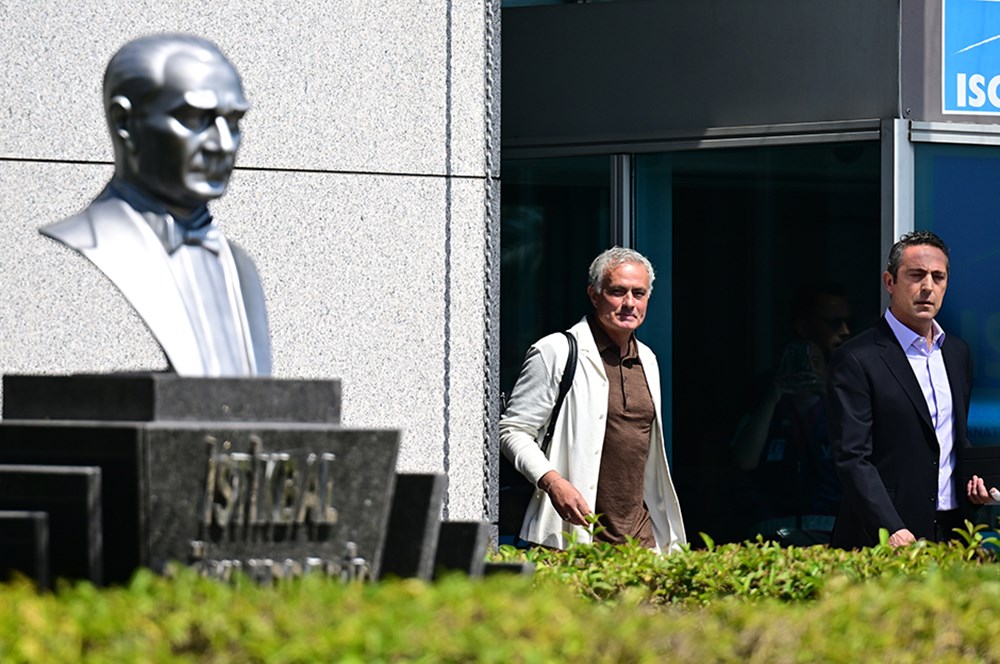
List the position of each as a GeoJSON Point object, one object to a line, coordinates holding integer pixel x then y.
{"type": "Point", "coordinates": [173, 104]}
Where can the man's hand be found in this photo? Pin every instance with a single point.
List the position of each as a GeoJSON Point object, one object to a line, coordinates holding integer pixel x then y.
{"type": "Point", "coordinates": [977, 493]}
{"type": "Point", "coordinates": [901, 537]}
{"type": "Point", "coordinates": [569, 503]}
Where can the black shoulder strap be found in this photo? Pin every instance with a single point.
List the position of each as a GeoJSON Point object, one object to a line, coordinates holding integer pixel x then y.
{"type": "Point", "coordinates": [564, 385]}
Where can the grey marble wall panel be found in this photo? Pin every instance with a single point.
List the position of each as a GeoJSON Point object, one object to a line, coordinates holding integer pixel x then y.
{"type": "Point", "coordinates": [353, 269]}
{"type": "Point", "coordinates": [355, 290]}
{"type": "Point", "coordinates": [466, 356]}
{"type": "Point", "coordinates": [354, 85]}
{"type": "Point", "coordinates": [57, 313]}
{"type": "Point", "coordinates": [468, 87]}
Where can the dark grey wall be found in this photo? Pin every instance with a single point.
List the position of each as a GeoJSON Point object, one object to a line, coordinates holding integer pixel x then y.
{"type": "Point", "coordinates": [652, 68]}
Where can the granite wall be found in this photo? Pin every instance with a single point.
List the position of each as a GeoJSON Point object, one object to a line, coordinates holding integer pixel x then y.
{"type": "Point", "coordinates": [366, 190]}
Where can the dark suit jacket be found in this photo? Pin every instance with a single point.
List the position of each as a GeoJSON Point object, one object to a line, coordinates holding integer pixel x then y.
{"type": "Point", "coordinates": [882, 437]}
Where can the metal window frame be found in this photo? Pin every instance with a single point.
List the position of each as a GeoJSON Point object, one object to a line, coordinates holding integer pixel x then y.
{"type": "Point", "coordinates": [897, 161]}
{"type": "Point", "coordinates": [714, 137]}
{"type": "Point", "coordinates": [622, 200]}
{"type": "Point", "coordinates": [954, 132]}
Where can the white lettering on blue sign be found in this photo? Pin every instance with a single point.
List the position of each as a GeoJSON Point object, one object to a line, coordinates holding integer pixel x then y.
{"type": "Point", "coordinates": [970, 56]}
{"type": "Point", "coordinates": [973, 91]}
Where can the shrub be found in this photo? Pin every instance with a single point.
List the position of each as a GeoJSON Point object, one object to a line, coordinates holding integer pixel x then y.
{"type": "Point", "coordinates": [749, 570]}
{"type": "Point", "coordinates": [731, 603]}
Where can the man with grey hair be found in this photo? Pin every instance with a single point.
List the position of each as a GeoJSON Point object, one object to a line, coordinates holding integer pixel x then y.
{"type": "Point", "coordinates": [607, 454]}
{"type": "Point", "coordinates": [173, 104]}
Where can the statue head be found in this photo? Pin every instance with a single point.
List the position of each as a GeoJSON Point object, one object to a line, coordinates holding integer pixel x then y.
{"type": "Point", "coordinates": [173, 104]}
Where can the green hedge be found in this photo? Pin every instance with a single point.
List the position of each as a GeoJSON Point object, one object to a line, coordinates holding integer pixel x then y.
{"type": "Point", "coordinates": [747, 570]}
{"type": "Point", "coordinates": [732, 603]}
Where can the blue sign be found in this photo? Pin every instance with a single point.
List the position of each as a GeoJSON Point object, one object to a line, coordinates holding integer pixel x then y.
{"type": "Point", "coordinates": [970, 57]}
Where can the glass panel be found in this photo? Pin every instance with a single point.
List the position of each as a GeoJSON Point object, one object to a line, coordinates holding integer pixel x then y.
{"type": "Point", "coordinates": [957, 196]}
{"type": "Point", "coordinates": [736, 237]}
{"type": "Point", "coordinates": [555, 217]}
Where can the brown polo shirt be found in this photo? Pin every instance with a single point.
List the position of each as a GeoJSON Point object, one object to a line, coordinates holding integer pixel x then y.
{"type": "Point", "coordinates": [626, 444]}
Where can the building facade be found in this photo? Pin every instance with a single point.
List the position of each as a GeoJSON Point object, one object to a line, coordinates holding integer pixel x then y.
{"type": "Point", "coordinates": [751, 150]}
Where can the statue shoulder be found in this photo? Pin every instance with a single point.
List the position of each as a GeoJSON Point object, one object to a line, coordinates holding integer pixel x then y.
{"type": "Point", "coordinates": [255, 306]}
{"type": "Point", "coordinates": [75, 232]}
{"type": "Point", "coordinates": [239, 253]}
{"type": "Point", "coordinates": [245, 265]}
{"type": "Point", "coordinates": [82, 230]}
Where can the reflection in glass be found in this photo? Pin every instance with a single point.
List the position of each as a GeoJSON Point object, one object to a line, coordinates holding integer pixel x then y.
{"type": "Point", "coordinates": [735, 235]}
{"type": "Point", "coordinates": [554, 220]}
{"type": "Point", "coordinates": [957, 197]}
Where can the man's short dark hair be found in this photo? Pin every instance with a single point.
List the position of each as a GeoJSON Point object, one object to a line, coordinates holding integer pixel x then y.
{"type": "Point", "coordinates": [914, 239]}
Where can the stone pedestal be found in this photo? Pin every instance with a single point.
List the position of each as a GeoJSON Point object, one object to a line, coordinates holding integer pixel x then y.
{"type": "Point", "coordinates": [166, 397]}
{"type": "Point", "coordinates": [252, 474]}
{"type": "Point", "coordinates": [414, 526]}
{"type": "Point", "coordinates": [25, 537]}
{"type": "Point", "coordinates": [70, 498]}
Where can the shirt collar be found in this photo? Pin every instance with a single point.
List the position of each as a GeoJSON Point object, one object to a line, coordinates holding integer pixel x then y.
{"type": "Point", "coordinates": [907, 337]}
{"type": "Point", "coordinates": [604, 342]}
{"type": "Point", "coordinates": [171, 229]}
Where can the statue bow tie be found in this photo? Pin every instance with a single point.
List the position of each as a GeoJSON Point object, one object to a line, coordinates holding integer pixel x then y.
{"type": "Point", "coordinates": [207, 236]}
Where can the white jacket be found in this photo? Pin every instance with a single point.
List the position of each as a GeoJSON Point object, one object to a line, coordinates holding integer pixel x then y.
{"type": "Point", "coordinates": [578, 440]}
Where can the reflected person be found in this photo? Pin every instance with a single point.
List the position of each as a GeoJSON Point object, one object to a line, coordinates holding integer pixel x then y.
{"type": "Point", "coordinates": [173, 105]}
{"type": "Point", "coordinates": [782, 445]}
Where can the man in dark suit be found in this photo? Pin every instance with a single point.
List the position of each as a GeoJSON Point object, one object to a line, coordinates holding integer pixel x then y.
{"type": "Point", "coordinates": [898, 401]}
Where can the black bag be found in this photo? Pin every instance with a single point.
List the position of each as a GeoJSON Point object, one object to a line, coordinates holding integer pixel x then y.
{"type": "Point", "coordinates": [515, 489]}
